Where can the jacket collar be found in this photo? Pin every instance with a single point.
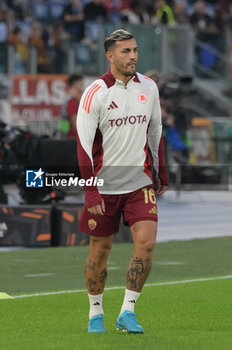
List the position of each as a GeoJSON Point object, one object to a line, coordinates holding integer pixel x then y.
{"type": "Point", "coordinates": [110, 80]}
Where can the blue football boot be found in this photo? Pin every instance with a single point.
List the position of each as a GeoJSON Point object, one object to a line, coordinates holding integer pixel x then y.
{"type": "Point", "coordinates": [96, 324]}
{"type": "Point", "coordinates": [127, 322]}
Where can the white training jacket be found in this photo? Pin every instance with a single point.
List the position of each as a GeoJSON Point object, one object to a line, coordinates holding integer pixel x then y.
{"type": "Point", "coordinates": [115, 125]}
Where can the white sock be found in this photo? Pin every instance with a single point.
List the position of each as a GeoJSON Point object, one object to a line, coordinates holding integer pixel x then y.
{"type": "Point", "coordinates": [130, 299]}
{"type": "Point", "coordinates": [95, 303]}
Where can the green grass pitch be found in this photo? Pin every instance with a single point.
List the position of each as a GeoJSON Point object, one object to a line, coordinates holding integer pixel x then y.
{"type": "Point", "coordinates": [193, 315]}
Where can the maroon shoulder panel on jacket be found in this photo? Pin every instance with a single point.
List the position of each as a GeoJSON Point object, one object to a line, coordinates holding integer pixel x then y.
{"type": "Point", "coordinates": [109, 79]}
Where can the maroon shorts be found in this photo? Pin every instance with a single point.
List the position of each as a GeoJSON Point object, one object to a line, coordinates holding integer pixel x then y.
{"type": "Point", "coordinates": [135, 206]}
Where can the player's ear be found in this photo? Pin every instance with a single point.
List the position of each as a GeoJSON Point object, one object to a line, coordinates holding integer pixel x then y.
{"type": "Point", "coordinates": [109, 56]}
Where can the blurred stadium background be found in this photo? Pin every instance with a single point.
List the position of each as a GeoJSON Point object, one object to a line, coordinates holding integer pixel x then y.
{"type": "Point", "coordinates": [186, 47]}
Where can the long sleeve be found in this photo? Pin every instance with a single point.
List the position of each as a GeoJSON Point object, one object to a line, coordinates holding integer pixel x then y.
{"type": "Point", "coordinates": [163, 175]}
{"type": "Point", "coordinates": [155, 140]}
{"type": "Point", "coordinates": [87, 124]}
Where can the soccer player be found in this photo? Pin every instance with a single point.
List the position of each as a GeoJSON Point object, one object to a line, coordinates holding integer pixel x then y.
{"type": "Point", "coordinates": [70, 107]}
{"type": "Point", "coordinates": [118, 118]}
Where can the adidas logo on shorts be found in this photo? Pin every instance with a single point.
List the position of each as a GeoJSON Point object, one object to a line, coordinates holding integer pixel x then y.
{"type": "Point", "coordinates": [153, 210]}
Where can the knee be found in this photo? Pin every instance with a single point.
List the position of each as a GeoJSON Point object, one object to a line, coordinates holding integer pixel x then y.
{"type": "Point", "coordinates": [144, 237]}
{"type": "Point", "coordinates": [100, 249]}
{"type": "Point", "coordinates": [147, 246]}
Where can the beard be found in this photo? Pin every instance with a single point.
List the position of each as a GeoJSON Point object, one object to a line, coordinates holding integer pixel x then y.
{"type": "Point", "coordinates": [127, 70]}
{"type": "Point", "coordinates": [127, 73]}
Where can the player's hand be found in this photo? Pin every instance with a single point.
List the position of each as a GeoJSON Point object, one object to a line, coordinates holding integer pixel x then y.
{"type": "Point", "coordinates": [159, 188]}
{"type": "Point", "coordinates": [97, 209]}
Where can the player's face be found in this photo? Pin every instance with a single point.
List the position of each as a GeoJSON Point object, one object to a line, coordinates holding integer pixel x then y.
{"type": "Point", "coordinates": [123, 56]}
{"type": "Point", "coordinates": [77, 89]}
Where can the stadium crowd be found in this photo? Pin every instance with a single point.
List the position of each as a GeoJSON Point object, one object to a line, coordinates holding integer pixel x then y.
{"type": "Point", "coordinates": [49, 26]}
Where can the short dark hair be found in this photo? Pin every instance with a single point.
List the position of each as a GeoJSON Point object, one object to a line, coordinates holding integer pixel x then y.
{"type": "Point", "coordinates": [117, 35]}
{"type": "Point", "coordinates": [73, 78]}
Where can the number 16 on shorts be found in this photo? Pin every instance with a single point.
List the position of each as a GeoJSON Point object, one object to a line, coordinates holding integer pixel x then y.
{"type": "Point", "coordinates": [149, 195]}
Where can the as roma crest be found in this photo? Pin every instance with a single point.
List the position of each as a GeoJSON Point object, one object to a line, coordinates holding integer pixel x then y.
{"type": "Point", "coordinates": [92, 224]}
{"type": "Point", "coordinates": [142, 98]}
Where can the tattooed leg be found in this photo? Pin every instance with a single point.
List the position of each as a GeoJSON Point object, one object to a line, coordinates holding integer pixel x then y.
{"type": "Point", "coordinates": [144, 237]}
{"type": "Point", "coordinates": [96, 264]}
{"type": "Point", "coordinates": [137, 273]}
{"type": "Point", "coordinates": [96, 278]}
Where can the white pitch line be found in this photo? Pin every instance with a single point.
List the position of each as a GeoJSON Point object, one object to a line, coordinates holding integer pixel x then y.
{"type": "Point", "coordinates": [112, 268]}
{"type": "Point", "coordinates": [40, 274]}
{"type": "Point", "coordinates": [123, 287]}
